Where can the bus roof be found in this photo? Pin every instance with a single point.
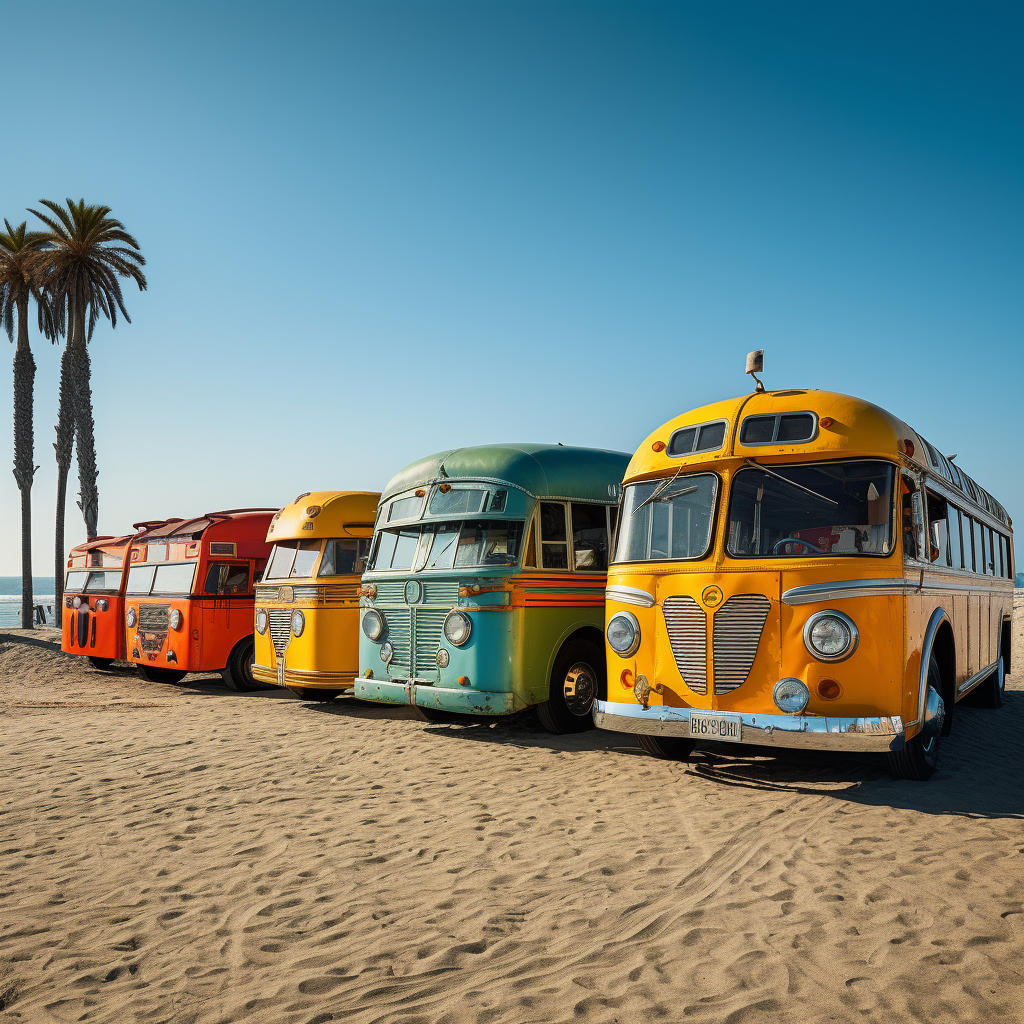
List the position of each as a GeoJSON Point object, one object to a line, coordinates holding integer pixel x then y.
{"type": "Point", "coordinates": [542, 470]}
{"type": "Point", "coordinates": [844, 427]}
{"type": "Point", "coordinates": [318, 514]}
{"type": "Point", "coordinates": [100, 543]}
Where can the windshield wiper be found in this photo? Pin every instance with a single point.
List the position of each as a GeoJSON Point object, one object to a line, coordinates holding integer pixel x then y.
{"type": "Point", "coordinates": [660, 489]}
{"type": "Point", "coordinates": [792, 483]}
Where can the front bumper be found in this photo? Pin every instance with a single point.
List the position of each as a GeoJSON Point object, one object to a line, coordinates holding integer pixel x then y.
{"type": "Point", "coordinates": [443, 698]}
{"type": "Point", "coordinates": [311, 679]}
{"type": "Point", "coordinates": [811, 732]}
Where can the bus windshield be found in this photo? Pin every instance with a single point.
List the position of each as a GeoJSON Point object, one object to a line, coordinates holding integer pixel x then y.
{"type": "Point", "coordinates": [667, 518]}
{"type": "Point", "coordinates": [826, 508]}
{"type": "Point", "coordinates": [293, 559]}
{"type": "Point", "coordinates": [470, 542]}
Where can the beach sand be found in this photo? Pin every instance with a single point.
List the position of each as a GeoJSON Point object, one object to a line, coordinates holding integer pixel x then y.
{"type": "Point", "coordinates": [185, 853]}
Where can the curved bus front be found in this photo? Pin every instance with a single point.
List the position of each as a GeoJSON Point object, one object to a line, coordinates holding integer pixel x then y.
{"type": "Point", "coordinates": [307, 615]}
{"type": "Point", "coordinates": [189, 596]}
{"type": "Point", "coordinates": [473, 613]}
{"type": "Point", "coordinates": [819, 581]}
{"type": "Point", "coordinates": [92, 624]}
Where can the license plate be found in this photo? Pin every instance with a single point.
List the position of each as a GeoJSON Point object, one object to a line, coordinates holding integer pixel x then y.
{"type": "Point", "coordinates": [280, 670]}
{"type": "Point", "coordinates": [706, 725]}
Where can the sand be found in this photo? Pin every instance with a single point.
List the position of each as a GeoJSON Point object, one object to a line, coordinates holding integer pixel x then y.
{"type": "Point", "coordinates": [185, 853]}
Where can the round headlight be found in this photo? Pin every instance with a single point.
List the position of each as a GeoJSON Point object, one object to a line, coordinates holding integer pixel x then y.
{"type": "Point", "coordinates": [298, 622]}
{"type": "Point", "coordinates": [373, 625]}
{"type": "Point", "coordinates": [623, 634]}
{"type": "Point", "coordinates": [442, 658]}
{"type": "Point", "coordinates": [174, 619]}
{"type": "Point", "coordinates": [261, 622]}
{"type": "Point", "coordinates": [790, 695]}
{"type": "Point", "coordinates": [76, 602]}
{"type": "Point", "coordinates": [102, 604]}
{"type": "Point", "coordinates": [387, 652]}
{"type": "Point", "coordinates": [457, 628]}
{"type": "Point", "coordinates": [830, 636]}
{"type": "Point", "coordinates": [132, 618]}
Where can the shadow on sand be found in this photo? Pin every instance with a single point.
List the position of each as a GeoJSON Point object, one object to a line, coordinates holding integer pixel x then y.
{"type": "Point", "coordinates": [980, 764]}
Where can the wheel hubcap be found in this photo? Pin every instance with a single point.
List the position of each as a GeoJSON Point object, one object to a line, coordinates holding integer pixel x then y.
{"type": "Point", "coordinates": [934, 716]}
{"type": "Point", "coordinates": [579, 688]}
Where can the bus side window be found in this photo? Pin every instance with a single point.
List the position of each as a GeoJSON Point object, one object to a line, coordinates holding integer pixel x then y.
{"type": "Point", "coordinates": [224, 578]}
{"type": "Point", "coordinates": [979, 550]}
{"type": "Point", "coordinates": [955, 543]}
{"type": "Point", "coordinates": [554, 542]}
{"type": "Point", "coordinates": [589, 537]}
{"type": "Point", "coordinates": [939, 529]}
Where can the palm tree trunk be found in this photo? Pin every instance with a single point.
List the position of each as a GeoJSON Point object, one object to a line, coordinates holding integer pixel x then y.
{"type": "Point", "coordinates": [24, 454]}
{"type": "Point", "coordinates": [65, 442]}
{"type": "Point", "coordinates": [85, 441]}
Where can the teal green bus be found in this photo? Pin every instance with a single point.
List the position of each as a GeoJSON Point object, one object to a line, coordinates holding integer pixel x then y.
{"type": "Point", "coordinates": [484, 590]}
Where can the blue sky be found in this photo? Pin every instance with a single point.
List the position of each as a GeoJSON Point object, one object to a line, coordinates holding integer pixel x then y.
{"type": "Point", "coordinates": [374, 231]}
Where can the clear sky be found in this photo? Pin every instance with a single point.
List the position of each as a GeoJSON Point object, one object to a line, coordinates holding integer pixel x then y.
{"type": "Point", "coordinates": [378, 230]}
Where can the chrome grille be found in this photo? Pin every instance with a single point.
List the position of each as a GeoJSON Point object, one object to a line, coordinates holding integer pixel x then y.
{"type": "Point", "coordinates": [391, 592]}
{"type": "Point", "coordinates": [269, 594]}
{"type": "Point", "coordinates": [441, 592]}
{"type": "Point", "coordinates": [428, 638]}
{"type": "Point", "coordinates": [736, 632]}
{"type": "Point", "coordinates": [686, 623]}
{"type": "Point", "coordinates": [280, 628]}
{"type": "Point", "coordinates": [153, 618]}
{"type": "Point", "coordinates": [305, 593]}
{"type": "Point", "coordinates": [400, 634]}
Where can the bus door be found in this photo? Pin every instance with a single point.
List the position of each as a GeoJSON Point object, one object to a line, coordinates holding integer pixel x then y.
{"type": "Point", "coordinates": [224, 581]}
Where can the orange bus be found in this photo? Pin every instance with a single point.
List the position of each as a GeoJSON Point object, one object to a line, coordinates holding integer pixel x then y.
{"type": "Point", "coordinates": [92, 625]}
{"type": "Point", "coordinates": [189, 596]}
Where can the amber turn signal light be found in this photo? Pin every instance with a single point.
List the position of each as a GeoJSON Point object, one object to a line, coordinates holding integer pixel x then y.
{"type": "Point", "coordinates": [463, 680]}
{"type": "Point", "coordinates": [658, 446]}
{"type": "Point", "coordinates": [826, 422]}
{"type": "Point", "coordinates": [829, 689]}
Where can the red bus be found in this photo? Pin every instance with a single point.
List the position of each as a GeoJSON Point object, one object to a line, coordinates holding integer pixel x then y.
{"type": "Point", "coordinates": [189, 596]}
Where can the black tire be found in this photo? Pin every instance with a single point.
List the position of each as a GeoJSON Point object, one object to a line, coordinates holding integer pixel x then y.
{"type": "Point", "coordinates": [101, 663]}
{"type": "Point", "coordinates": [312, 693]}
{"type": "Point", "coordinates": [238, 671]}
{"type": "Point", "coordinates": [160, 675]}
{"type": "Point", "coordinates": [989, 694]}
{"type": "Point", "coordinates": [577, 680]}
{"type": "Point", "coordinates": [919, 756]}
{"type": "Point", "coordinates": [668, 748]}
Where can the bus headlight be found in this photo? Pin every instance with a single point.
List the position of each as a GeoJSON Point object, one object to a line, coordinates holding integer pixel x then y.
{"type": "Point", "coordinates": [76, 602]}
{"type": "Point", "coordinates": [623, 634]}
{"type": "Point", "coordinates": [830, 636]}
{"type": "Point", "coordinates": [102, 604]}
{"type": "Point", "coordinates": [298, 622]}
{"type": "Point", "coordinates": [261, 622]}
{"type": "Point", "coordinates": [457, 628]}
{"type": "Point", "coordinates": [174, 619]}
{"type": "Point", "coordinates": [373, 625]}
{"type": "Point", "coordinates": [131, 618]}
{"type": "Point", "coordinates": [790, 695]}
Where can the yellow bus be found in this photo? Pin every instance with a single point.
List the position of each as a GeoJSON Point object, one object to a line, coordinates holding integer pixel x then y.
{"type": "Point", "coordinates": [802, 569]}
{"type": "Point", "coordinates": [307, 605]}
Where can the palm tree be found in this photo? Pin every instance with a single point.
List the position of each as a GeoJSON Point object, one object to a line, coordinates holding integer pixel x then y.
{"type": "Point", "coordinates": [85, 252]}
{"type": "Point", "coordinates": [18, 283]}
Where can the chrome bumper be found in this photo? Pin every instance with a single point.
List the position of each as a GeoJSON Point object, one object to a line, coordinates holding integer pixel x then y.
{"type": "Point", "coordinates": [812, 732]}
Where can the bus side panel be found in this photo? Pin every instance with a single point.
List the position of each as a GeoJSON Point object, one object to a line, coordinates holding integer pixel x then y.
{"type": "Point", "coordinates": [547, 628]}
{"type": "Point", "coordinates": [960, 637]}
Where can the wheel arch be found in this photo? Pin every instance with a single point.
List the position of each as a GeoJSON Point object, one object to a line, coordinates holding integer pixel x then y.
{"type": "Point", "coordinates": [576, 632]}
{"type": "Point", "coordinates": [249, 638]}
{"type": "Point", "coordinates": [936, 621]}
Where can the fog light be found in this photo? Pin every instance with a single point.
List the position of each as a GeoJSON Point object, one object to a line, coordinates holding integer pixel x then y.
{"type": "Point", "coordinates": [102, 604]}
{"type": "Point", "coordinates": [791, 695]}
{"type": "Point", "coordinates": [830, 636]}
{"type": "Point", "coordinates": [442, 658]}
{"type": "Point", "coordinates": [131, 618]}
{"type": "Point", "coordinates": [829, 689]}
{"type": "Point", "coordinates": [298, 622]}
{"type": "Point", "coordinates": [174, 619]}
{"type": "Point", "coordinates": [76, 602]}
{"type": "Point", "coordinates": [261, 621]}
{"type": "Point", "coordinates": [387, 652]}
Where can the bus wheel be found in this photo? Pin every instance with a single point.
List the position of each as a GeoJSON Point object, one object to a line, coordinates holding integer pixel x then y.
{"type": "Point", "coordinates": [312, 693]}
{"type": "Point", "coordinates": [668, 748]}
{"type": "Point", "coordinates": [575, 685]}
{"type": "Point", "coordinates": [238, 672]}
{"type": "Point", "coordinates": [101, 663]}
{"type": "Point", "coordinates": [919, 756]}
{"type": "Point", "coordinates": [160, 675]}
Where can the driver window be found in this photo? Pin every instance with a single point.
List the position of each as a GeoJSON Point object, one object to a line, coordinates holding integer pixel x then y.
{"type": "Point", "coordinates": [938, 529]}
{"type": "Point", "coordinates": [912, 520]}
{"type": "Point", "coordinates": [224, 578]}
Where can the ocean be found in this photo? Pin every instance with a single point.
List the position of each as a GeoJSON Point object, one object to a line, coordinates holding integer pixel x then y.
{"type": "Point", "coordinates": [10, 598]}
